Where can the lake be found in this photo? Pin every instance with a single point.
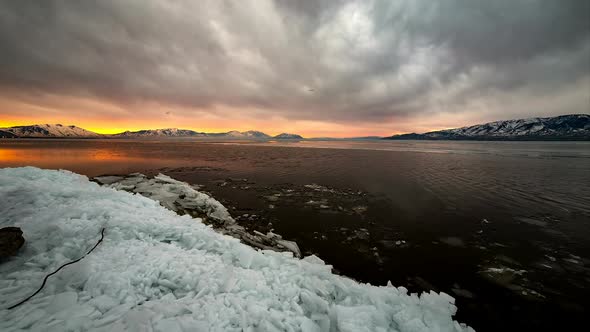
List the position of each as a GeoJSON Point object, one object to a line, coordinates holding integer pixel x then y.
{"type": "Point", "coordinates": [504, 227]}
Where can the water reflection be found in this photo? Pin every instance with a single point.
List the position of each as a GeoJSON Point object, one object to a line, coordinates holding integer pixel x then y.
{"type": "Point", "coordinates": [82, 159]}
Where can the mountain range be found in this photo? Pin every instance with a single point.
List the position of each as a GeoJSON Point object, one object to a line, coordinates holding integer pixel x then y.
{"type": "Point", "coordinates": [563, 127]}
{"type": "Point", "coordinates": [46, 130]}
{"type": "Point", "coordinates": [174, 132]}
{"type": "Point", "coordinates": [61, 131]}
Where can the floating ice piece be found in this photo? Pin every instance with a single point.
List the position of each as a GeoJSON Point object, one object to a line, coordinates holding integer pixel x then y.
{"type": "Point", "coordinates": [502, 275]}
{"type": "Point", "coordinates": [452, 241]}
{"type": "Point", "coordinates": [360, 209]}
{"type": "Point", "coordinates": [532, 221]}
{"type": "Point", "coordinates": [315, 187]}
{"type": "Point", "coordinates": [462, 292]}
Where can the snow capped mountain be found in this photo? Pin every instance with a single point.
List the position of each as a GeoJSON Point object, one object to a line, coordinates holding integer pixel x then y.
{"type": "Point", "coordinates": [255, 134]}
{"type": "Point", "coordinates": [567, 127]}
{"type": "Point", "coordinates": [234, 133]}
{"type": "Point", "coordinates": [47, 130]}
{"type": "Point", "coordinates": [570, 125]}
{"type": "Point", "coordinates": [250, 134]}
{"type": "Point", "coordinates": [288, 136]}
{"type": "Point", "coordinates": [166, 132]}
{"type": "Point", "coordinates": [175, 132]}
{"type": "Point", "coordinates": [7, 134]}
{"type": "Point", "coordinates": [58, 130]}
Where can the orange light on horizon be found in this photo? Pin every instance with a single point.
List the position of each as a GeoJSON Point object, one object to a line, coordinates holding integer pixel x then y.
{"type": "Point", "coordinates": [107, 118]}
{"type": "Point", "coordinates": [207, 124]}
{"type": "Point", "coordinates": [322, 130]}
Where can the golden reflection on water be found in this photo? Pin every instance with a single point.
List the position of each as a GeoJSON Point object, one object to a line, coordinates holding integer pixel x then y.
{"type": "Point", "coordinates": [90, 162]}
{"type": "Point", "coordinates": [8, 155]}
{"type": "Point", "coordinates": [28, 156]}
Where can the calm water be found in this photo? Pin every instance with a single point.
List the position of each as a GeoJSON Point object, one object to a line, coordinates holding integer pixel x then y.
{"type": "Point", "coordinates": [502, 226]}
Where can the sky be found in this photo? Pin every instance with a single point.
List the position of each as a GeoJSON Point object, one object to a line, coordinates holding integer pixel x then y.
{"type": "Point", "coordinates": [316, 68]}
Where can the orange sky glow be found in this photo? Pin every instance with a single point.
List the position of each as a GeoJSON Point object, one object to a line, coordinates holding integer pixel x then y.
{"type": "Point", "coordinates": [304, 128]}
{"type": "Point", "coordinates": [107, 118]}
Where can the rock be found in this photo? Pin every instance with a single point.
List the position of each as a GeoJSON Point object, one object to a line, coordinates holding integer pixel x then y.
{"type": "Point", "coordinates": [11, 239]}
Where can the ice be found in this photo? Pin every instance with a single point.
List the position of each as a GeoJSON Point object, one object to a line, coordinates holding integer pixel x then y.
{"type": "Point", "coordinates": [307, 325]}
{"type": "Point", "coordinates": [158, 271]}
{"type": "Point", "coordinates": [452, 241]}
{"type": "Point", "coordinates": [110, 179]}
{"type": "Point", "coordinates": [183, 198]}
{"type": "Point", "coordinates": [172, 194]}
{"type": "Point", "coordinates": [103, 303]}
{"type": "Point", "coordinates": [533, 222]}
{"type": "Point", "coordinates": [62, 301]}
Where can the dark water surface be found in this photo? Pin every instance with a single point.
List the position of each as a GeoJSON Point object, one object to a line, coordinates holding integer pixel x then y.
{"type": "Point", "coordinates": [504, 227]}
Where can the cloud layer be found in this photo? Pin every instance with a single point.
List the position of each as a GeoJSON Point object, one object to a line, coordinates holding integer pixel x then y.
{"type": "Point", "coordinates": [328, 61]}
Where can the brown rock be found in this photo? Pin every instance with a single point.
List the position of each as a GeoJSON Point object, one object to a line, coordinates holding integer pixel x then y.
{"type": "Point", "coordinates": [11, 239]}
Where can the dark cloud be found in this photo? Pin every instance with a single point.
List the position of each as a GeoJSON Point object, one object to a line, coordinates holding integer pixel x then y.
{"type": "Point", "coordinates": [314, 60]}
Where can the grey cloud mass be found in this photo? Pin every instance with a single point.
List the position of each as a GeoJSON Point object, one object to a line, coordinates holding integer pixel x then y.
{"type": "Point", "coordinates": [339, 61]}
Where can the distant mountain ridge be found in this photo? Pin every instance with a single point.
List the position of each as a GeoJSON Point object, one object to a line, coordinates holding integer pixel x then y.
{"type": "Point", "coordinates": [167, 132]}
{"type": "Point", "coordinates": [174, 132]}
{"type": "Point", "coordinates": [244, 134]}
{"type": "Point", "coordinates": [46, 130]}
{"type": "Point", "coordinates": [7, 134]}
{"type": "Point", "coordinates": [58, 130]}
{"type": "Point", "coordinates": [288, 136]}
{"type": "Point", "coordinates": [563, 127]}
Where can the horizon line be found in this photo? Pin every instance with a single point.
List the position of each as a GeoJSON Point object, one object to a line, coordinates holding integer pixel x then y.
{"type": "Point", "coordinates": [109, 132]}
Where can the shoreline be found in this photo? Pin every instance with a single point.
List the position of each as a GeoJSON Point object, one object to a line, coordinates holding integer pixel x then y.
{"type": "Point", "coordinates": [154, 261]}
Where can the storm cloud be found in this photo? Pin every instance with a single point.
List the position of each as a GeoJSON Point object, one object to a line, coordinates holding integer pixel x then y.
{"type": "Point", "coordinates": [332, 61]}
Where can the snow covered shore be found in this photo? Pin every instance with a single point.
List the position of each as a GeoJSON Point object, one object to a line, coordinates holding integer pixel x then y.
{"type": "Point", "coordinates": [182, 198]}
{"type": "Point", "coordinates": [158, 271]}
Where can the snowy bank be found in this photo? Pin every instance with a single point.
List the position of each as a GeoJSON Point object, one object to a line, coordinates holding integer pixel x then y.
{"type": "Point", "coordinates": [183, 198]}
{"type": "Point", "coordinates": [158, 271]}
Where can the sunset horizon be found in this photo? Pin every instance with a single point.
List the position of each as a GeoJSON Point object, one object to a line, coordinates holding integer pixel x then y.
{"type": "Point", "coordinates": [346, 132]}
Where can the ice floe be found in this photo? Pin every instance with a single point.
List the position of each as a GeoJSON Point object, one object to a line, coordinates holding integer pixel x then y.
{"type": "Point", "coordinates": [452, 241]}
